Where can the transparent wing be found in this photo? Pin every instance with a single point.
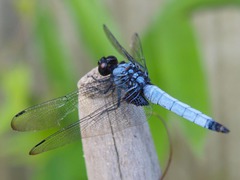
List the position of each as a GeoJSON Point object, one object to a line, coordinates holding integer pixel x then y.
{"type": "Point", "coordinates": [107, 119]}
{"type": "Point", "coordinates": [137, 53]}
{"type": "Point", "coordinates": [58, 139]}
{"type": "Point", "coordinates": [49, 114]}
{"type": "Point", "coordinates": [71, 133]}
{"type": "Point", "coordinates": [46, 115]}
{"type": "Point", "coordinates": [117, 45]}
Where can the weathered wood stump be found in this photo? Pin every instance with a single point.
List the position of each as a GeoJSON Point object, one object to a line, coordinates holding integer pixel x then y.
{"type": "Point", "coordinates": [112, 151]}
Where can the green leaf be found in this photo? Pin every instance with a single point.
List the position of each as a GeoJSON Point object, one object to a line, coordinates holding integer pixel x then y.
{"type": "Point", "coordinates": [171, 47]}
{"type": "Point", "coordinates": [175, 64]}
{"type": "Point", "coordinates": [57, 62]}
{"type": "Point", "coordinates": [89, 17]}
{"type": "Point", "coordinates": [15, 89]}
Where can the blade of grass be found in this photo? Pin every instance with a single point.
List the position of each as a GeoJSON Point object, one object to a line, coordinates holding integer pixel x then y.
{"type": "Point", "coordinates": [89, 17]}
{"type": "Point", "coordinates": [176, 67]}
{"type": "Point", "coordinates": [57, 63]}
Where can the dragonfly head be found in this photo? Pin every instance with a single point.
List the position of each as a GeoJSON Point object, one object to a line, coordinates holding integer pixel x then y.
{"type": "Point", "coordinates": [106, 65]}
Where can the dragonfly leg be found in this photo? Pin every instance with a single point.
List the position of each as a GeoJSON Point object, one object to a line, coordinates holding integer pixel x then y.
{"type": "Point", "coordinates": [106, 79]}
{"type": "Point", "coordinates": [111, 87]}
{"type": "Point", "coordinates": [119, 97]}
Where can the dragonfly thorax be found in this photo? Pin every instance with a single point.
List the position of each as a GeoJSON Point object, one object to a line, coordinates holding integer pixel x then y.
{"type": "Point", "coordinates": [131, 79]}
{"type": "Point", "coordinates": [128, 75]}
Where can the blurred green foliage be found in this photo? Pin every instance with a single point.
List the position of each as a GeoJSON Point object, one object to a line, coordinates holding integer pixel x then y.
{"type": "Point", "coordinates": [173, 60]}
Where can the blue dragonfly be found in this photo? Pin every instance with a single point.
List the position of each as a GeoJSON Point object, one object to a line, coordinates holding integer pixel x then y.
{"type": "Point", "coordinates": [132, 85]}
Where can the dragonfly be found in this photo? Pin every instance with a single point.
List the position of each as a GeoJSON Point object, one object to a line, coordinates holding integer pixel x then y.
{"type": "Point", "coordinates": [128, 80]}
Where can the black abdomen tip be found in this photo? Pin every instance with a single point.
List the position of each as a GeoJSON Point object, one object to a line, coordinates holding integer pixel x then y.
{"type": "Point", "coordinates": [224, 129]}
{"type": "Point", "coordinates": [215, 126]}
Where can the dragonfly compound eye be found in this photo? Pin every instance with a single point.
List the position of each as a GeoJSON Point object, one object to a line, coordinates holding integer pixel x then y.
{"type": "Point", "coordinates": [106, 65]}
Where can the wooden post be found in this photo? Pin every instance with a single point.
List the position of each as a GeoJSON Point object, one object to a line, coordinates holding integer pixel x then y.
{"type": "Point", "coordinates": [125, 154]}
